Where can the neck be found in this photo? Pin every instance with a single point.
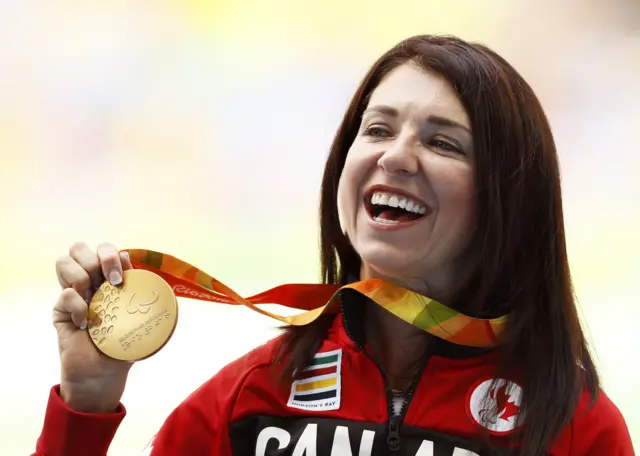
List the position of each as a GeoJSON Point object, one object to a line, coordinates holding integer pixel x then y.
{"type": "Point", "coordinates": [440, 285]}
{"type": "Point", "coordinates": [397, 345]}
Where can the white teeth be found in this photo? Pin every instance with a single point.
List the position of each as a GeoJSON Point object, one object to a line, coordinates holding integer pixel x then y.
{"type": "Point", "coordinates": [387, 199]}
{"type": "Point", "coordinates": [388, 222]}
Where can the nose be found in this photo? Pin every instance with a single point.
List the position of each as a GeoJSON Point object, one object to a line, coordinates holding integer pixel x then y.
{"type": "Point", "coordinates": [399, 159]}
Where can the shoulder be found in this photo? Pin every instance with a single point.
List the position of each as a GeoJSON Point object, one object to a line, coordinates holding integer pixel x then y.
{"type": "Point", "coordinates": [228, 380]}
{"type": "Point", "coordinates": [254, 382]}
{"type": "Point", "coordinates": [199, 425]}
{"type": "Point", "coordinates": [212, 402]}
{"type": "Point", "coordinates": [600, 414]}
{"type": "Point", "coordinates": [598, 427]}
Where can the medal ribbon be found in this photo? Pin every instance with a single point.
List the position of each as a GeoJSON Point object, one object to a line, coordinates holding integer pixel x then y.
{"type": "Point", "coordinates": [188, 281]}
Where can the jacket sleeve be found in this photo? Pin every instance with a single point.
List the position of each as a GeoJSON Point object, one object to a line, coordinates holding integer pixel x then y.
{"type": "Point", "coordinates": [199, 426]}
{"type": "Point", "coordinates": [601, 430]}
{"type": "Point", "coordinates": [194, 429]}
{"type": "Point", "coordinates": [69, 433]}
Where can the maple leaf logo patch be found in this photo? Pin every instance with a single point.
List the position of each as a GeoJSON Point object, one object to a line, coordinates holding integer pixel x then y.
{"type": "Point", "coordinates": [495, 405]}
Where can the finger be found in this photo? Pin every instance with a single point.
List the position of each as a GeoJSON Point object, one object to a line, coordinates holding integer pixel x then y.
{"type": "Point", "coordinates": [110, 263]}
{"type": "Point", "coordinates": [89, 261]}
{"type": "Point", "coordinates": [126, 261]}
{"type": "Point", "coordinates": [71, 307]}
{"type": "Point", "coordinates": [72, 275]}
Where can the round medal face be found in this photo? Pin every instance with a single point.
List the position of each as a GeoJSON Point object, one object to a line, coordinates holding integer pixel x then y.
{"type": "Point", "coordinates": [133, 321]}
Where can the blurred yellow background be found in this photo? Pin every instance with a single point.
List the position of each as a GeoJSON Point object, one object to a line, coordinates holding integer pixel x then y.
{"type": "Point", "coordinates": [199, 128]}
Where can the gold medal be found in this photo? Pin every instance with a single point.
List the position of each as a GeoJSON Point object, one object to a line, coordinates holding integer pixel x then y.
{"type": "Point", "coordinates": [133, 321]}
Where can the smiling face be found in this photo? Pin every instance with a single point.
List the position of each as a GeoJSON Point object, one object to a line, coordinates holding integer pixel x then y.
{"type": "Point", "coordinates": [406, 195]}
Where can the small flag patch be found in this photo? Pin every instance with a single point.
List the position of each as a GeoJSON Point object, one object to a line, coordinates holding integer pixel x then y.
{"type": "Point", "coordinates": [318, 386]}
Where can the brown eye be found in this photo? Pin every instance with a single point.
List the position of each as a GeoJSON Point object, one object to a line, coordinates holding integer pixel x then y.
{"type": "Point", "coordinates": [376, 132]}
{"type": "Point", "coordinates": [446, 146]}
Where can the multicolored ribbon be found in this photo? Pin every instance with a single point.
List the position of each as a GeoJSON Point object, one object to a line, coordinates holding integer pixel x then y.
{"type": "Point", "coordinates": [188, 281]}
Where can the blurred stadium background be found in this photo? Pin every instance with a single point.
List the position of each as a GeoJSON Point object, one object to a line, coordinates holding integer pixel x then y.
{"type": "Point", "coordinates": [200, 128]}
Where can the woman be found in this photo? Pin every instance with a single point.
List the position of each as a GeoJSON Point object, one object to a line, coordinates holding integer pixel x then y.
{"type": "Point", "coordinates": [443, 178]}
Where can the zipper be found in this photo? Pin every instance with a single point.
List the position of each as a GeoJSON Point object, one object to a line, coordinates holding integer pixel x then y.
{"type": "Point", "coordinates": [394, 421]}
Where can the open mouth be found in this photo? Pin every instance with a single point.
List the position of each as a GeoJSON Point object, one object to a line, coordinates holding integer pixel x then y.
{"type": "Point", "coordinates": [389, 208]}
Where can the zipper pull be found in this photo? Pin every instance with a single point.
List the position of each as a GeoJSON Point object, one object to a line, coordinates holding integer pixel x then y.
{"type": "Point", "coordinates": [393, 437]}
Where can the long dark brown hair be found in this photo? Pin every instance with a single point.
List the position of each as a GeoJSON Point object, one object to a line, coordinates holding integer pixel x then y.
{"type": "Point", "coordinates": [520, 235]}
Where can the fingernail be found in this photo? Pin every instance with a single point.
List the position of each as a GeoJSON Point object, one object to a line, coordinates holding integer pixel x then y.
{"type": "Point", "coordinates": [115, 278]}
{"type": "Point", "coordinates": [83, 326]}
{"type": "Point", "coordinates": [126, 254]}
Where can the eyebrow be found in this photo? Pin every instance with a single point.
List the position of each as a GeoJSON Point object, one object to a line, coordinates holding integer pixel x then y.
{"type": "Point", "coordinates": [433, 120]}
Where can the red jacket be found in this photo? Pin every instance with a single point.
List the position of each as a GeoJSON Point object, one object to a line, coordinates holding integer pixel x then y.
{"type": "Point", "coordinates": [338, 408]}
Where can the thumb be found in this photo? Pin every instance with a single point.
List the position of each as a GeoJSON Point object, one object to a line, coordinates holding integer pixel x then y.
{"type": "Point", "coordinates": [70, 307]}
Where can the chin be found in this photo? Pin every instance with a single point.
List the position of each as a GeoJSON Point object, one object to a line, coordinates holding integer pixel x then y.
{"type": "Point", "coordinates": [385, 260]}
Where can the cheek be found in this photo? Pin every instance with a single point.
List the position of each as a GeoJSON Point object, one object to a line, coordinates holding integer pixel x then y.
{"type": "Point", "coordinates": [347, 194]}
{"type": "Point", "coordinates": [468, 201]}
{"type": "Point", "coordinates": [342, 206]}
{"type": "Point", "coordinates": [457, 199]}
{"type": "Point", "coordinates": [356, 169]}
{"type": "Point", "coordinates": [468, 218]}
